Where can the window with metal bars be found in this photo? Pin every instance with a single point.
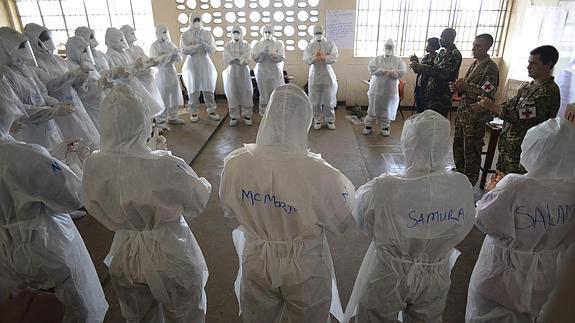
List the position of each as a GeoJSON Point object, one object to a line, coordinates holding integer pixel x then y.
{"type": "Point", "coordinates": [411, 22]}
{"type": "Point", "coordinates": [64, 16]}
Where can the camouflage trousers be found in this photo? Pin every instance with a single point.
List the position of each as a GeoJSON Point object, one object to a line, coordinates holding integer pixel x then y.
{"type": "Point", "coordinates": [440, 102]}
{"type": "Point", "coordinates": [509, 147]}
{"type": "Point", "coordinates": [467, 146]}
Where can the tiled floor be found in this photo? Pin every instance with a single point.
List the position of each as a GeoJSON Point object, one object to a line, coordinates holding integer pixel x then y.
{"type": "Point", "coordinates": [358, 157]}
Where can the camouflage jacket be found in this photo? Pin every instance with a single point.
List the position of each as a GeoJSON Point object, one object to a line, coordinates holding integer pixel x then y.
{"type": "Point", "coordinates": [445, 69]}
{"type": "Point", "coordinates": [482, 79]}
{"type": "Point", "coordinates": [534, 103]}
{"type": "Point", "coordinates": [421, 80]}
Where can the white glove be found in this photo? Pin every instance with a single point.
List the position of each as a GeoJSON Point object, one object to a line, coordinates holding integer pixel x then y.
{"type": "Point", "coordinates": [67, 146]}
{"type": "Point", "coordinates": [17, 126]}
{"type": "Point", "coordinates": [82, 70]}
{"type": "Point", "coordinates": [157, 142]}
{"type": "Point", "coordinates": [63, 109]}
{"type": "Point", "coordinates": [151, 62]}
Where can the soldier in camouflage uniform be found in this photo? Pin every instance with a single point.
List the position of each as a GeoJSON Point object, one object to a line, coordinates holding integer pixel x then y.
{"type": "Point", "coordinates": [534, 103]}
{"type": "Point", "coordinates": [482, 78]}
{"type": "Point", "coordinates": [445, 69]}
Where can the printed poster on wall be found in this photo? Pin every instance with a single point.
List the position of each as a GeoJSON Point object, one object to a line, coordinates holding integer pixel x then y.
{"type": "Point", "coordinates": [340, 27]}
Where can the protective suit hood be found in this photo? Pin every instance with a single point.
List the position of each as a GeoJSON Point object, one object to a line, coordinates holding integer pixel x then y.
{"type": "Point", "coordinates": [237, 28]}
{"type": "Point", "coordinates": [129, 34]}
{"type": "Point", "coordinates": [318, 29]}
{"type": "Point", "coordinates": [11, 108]}
{"type": "Point", "coordinates": [33, 32]}
{"type": "Point", "coordinates": [88, 35]}
{"type": "Point", "coordinates": [547, 150]}
{"type": "Point", "coordinates": [268, 28]}
{"type": "Point", "coordinates": [115, 39]}
{"type": "Point", "coordinates": [389, 43]}
{"type": "Point", "coordinates": [125, 122]}
{"type": "Point", "coordinates": [11, 40]}
{"type": "Point", "coordinates": [195, 15]}
{"type": "Point", "coordinates": [286, 122]}
{"type": "Point", "coordinates": [162, 33]}
{"type": "Point", "coordinates": [425, 143]}
{"type": "Point", "coordinates": [78, 51]}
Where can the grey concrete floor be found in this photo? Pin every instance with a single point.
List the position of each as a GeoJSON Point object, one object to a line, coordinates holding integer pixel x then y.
{"type": "Point", "coordinates": [358, 157]}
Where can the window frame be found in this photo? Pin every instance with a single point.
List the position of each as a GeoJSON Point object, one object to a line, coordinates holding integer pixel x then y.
{"type": "Point", "coordinates": [455, 13]}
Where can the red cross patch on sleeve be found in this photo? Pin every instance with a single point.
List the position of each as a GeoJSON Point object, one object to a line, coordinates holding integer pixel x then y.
{"type": "Point", "coordinates": [487, 87]}
{"type": "Point", "coordinates": [527, 113]}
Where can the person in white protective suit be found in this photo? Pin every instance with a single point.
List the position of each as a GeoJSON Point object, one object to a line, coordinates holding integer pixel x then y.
{"type": "Point", "coordinates": [119, 59]}
{"type": "Point", "coordinates": [59, 76]}
{"type": "Point", "coordinates": [199, 73]}
{"type": "Point", "coordinates": [16, 58]}
{"type": "Point", "coordinates": [237, 81]}
{"type": "Point", "coordinates": [269, 55]}
{"type": "Point", "coordinates": [167, 79]}
{"type": "Point", "coordinates": [529, 222]}
{"type": "Point", "coordinates": [100, 59]}
{"type": "Point", "coordinates": [144, 63]}
{"type": "Point", "coordinates": [41, 247]}
{"type": "Point", "coordinates": [416, 219]}
{"type": "Point", "coordinates": [117, 46]}
{"type": "Point", "coordinates": [320, 54]}
{"type": "Point", "coordinates": [383, 94]}
{"type": "Point", "coordinates": [90, 87]}
{"type": "Point", "coordinates": [284, 214]}
{"type": "Point", "coordinates": [156, 266]}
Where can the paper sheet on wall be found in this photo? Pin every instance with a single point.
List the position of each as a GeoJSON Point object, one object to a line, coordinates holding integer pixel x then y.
{"type": "Point", "coordinates": [340, 27]}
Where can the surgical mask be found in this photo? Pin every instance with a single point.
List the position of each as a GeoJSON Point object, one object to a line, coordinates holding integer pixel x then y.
{"type": "Point", "coordinates": [268, 36]}
{"type": "Point", "coordinates": [317, 37]}
{"type": "Point", "coordinates": [93, 42]}
{"type": "Point", "coordinates": [236, 36]}
{"type": "Point", "coordinates": [165, 36]}
{"type": "Point", "coordinates": [197, 24]}
{"type": "Point", "coordinates": [47, 42]}
{"type": "Point", "coordinates": [387, 52]}
{"type": "Point", "coordinates": [25, 54]}
{"type": "Point", "coordinates": [87, 56]}
{"type": "Point", "coordinates": [123, 43]}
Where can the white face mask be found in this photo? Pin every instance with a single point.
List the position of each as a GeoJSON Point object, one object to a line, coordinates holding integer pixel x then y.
{"type": "Point", "coordinates": [387, 52]}
{"type": "Point", "coordinates": [93, 42]}
{"type": "Point", "coordinates": [87, 56]}
{"type": "Point", "coordinates": [268, 36]}
{"type": "Point", "coordinates": [196, 24]}
{"type": "Point", "coordinates": [123, 43]}
{"type": "Point", "coordinates": [25, 54]}
{"type": "Point", "coordinates": [165, 36]}
{"type": "Point", "coordinates": [236, 36]}
{"type": "Point", "coordinates": [49, 45]}
{"type": "Point", "coordinates": [317, 37]}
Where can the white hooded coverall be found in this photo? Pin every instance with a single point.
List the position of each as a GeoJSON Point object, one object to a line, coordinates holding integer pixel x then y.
{"type": "Point", "coordinates": [284, 213]}
{"type": "Point", "coordinates": [156, 266]}
{"type": "Point", "coordinates": [416, 219]}
{"type": "Point", "coordinates": [237, 81]}
{"type": "Point", "coordinates": [529, 220]}
{"type": "Point", "coordinates": [269, 55]}
{"type": "Point", "coordinates": [41, 128]}
{"type": "Point", "coordinates": [167, 79]}
{"type": "Point", "coordinates": [100, 59]}
{"type": "Point", "coordinates": [145, 73]}
{"type": "Point", "coordinates": [199, 73]}
{"type": "Point", "coordinates": [90, 91]}
{"type": "Point", "coordinates": [322, 83]}
{"type": "Point", "coordinates": [59, 78]}
{"type": "Point", "coordinates": [118, 57]}
{"type": "Point", "coordinates": [40, 246]}
{"type": "Point", "coordinates": [383, 94]}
